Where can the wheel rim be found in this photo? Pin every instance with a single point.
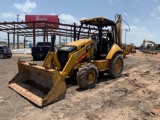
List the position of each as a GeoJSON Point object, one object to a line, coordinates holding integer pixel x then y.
{"type": "Point", "coordinates": [118, 66]}
{"type": "Point", "coordinates": [1, 56]}
{"type": "Point", "coordinates": [91, 77]}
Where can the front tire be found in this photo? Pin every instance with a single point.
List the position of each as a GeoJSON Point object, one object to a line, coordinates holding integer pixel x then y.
{"type": "Point", "coordinates": [87, 76]}
{"type": "Point", "coordinates": [34, 58]}
{"type": "Point", "coordinates": [2, 56]}
{"type": "Point", "coordinates": [9, 56]}
{"type": "Point", "coordinates": [116, 66]}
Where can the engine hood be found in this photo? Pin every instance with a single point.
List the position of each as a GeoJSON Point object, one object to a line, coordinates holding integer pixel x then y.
{"type": "Point", "coordinates": [80, 43]}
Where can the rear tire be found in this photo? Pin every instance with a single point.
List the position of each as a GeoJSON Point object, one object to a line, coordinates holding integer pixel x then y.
{"type": "Point", "coordinates": [116, 66]}
{"type": "Point", "coordinates": [9, 56]}
{"type": "Point", "coordinates": [87, 76]}
{"type": "Point", "coordinates": [34, 58]}
{"type": "Point", "coordinates": [2, 56]}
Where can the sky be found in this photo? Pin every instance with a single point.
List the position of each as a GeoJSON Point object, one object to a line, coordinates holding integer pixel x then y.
{"type": "Point", "coordinates": [142, 16]}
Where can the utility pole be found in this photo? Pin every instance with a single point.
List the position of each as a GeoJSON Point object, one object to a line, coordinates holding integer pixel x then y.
{"type": "Point", "coordinates": [14, 38]}
{"type": "Point", "coordinates": [66, 34]}
{"type": "Point", "coordinates": [17, 32]}
{"type": "Point", "coordinates": [126, 30]}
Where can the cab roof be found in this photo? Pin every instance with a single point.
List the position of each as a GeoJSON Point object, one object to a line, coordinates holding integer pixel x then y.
{"type": "Point", "coordinates": [98, 21]}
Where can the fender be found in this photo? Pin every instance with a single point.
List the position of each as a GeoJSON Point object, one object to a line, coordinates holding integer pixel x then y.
{"type": "Point", "coordinates": [115, 48]}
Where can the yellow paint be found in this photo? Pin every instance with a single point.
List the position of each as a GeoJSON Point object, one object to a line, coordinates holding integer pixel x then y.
{"type": "Point", "coordinates": [91, 77]}
{"type": "Point", "coordinates": [80, 43]}
{"type": "Point", "coordinates": [115, 48]}
{"type": "Point", "coordinates": [51, 57]}
{"type": "Point", "coordinates": [101, 64]}
{"type": "Point", "coordinates": [118, 65]}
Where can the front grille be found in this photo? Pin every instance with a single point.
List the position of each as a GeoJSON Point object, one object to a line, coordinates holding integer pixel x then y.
{"type": "Point", "coordinates": [63, 57]}
{"type": "Point", "coordinates": [40, 49]}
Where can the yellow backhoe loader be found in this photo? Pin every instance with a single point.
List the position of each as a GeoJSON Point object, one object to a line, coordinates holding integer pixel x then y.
{"type": "Point", "coordinates": [150, 48]}
{"type": "Point", "coordinates": [84, 58]}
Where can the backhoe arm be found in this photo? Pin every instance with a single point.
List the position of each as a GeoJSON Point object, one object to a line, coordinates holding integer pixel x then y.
{"type": "Point", "coordinates": [119, 29]}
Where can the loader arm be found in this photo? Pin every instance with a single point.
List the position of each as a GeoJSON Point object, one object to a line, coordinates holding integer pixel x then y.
{"type": "Point", "coordinates": [51, 57]}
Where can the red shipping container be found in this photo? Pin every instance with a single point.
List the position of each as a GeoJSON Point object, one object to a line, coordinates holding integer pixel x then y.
{"type": "Point", "coordinates": [49, 18]}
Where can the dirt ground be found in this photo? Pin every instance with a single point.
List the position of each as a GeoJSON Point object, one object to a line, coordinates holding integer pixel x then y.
{"type": "Point", "coordinates": [134, 96]}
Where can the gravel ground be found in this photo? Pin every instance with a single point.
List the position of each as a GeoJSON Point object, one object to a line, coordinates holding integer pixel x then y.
{"type": "Point", "coordinates": [134, 96]}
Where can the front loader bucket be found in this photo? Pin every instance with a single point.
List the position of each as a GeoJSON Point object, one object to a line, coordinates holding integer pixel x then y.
{"type": "Point", "coordinates": [37, 84]}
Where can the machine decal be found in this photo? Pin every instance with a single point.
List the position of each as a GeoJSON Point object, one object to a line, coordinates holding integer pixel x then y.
{"type": "Point", "coordinates": [88, 47]}
{"type": "Point", "coordinates": [82, 57]}
{"type": "Point", "coordinates": [76, 54]}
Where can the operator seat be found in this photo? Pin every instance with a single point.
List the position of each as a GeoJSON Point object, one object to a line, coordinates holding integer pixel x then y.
{"type": "Point", "coordinates": [95, 43]}
{"type": "Point", "coordinates": [106, 45]}
{"type": "Point", "coordinates": [110, 40]}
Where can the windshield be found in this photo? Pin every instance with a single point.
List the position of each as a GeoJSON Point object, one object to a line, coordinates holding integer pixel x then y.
{"type": "Point", "coordinates": [41, 44]}
{"type": "Point", "coordinates": [91, 31]}
{"type": "Point", "coordinates": [4, 47]}
{"type": "Point", "coordinates": [1, 48]}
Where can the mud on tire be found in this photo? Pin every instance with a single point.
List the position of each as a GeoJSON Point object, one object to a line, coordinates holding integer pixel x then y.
{"type": "Point", "coordinates": [87, 76]}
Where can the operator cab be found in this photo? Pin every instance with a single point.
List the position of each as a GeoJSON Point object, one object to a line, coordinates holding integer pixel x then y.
{"type": "Point", "coordinates": [104, 37]}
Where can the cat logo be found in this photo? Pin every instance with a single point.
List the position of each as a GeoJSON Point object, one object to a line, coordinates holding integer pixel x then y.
{"type": "Point", "coordinates": [88, 47]}
{"type": "Point", "coordinates": [76, 54]}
